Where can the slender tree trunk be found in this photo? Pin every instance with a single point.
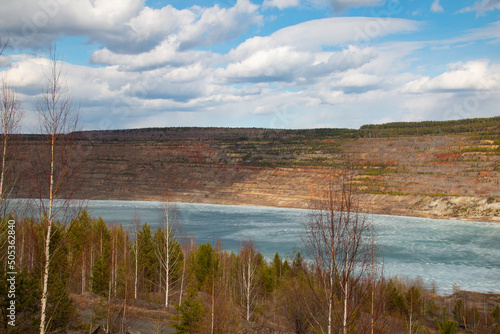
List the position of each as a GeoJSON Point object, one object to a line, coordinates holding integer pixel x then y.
{"type": "Point", "coordinates": [5, 138]}
{"type": "Point", "coordinates": [83, 271]}
{"type": "Point", "coordinates": [182, 279]}
{"type": "Point", "coordinates": [167, 260]}
{"type": "Point", "coordinates": [136, 254]}
{"type": "Point", "coordinates": [213, 302]}
{"type": "Point", "coordinates": [116, 265]}
{"type": "Point", "coordinates": [346, 287]}
{"type": "Point", "coordinates": [167, 280]}
{"type": "Point", "coordinates": [249, 283]}
{"type": "Point", "coordinates": [124, 319]}
{"type": "Point", "coordinates": [91, 262]}
{"type": "Point", "coordinates": [372, 320]}
{"type": "Point", "coordinates": [411, 314]}
{"type": "Point", "coordinates": [109, 306]}
{"type": "Point", "coordinates": [136, 266]}
{"type": "Point", "coordinates": [45, 288]}
{"type": "Point", "coordinates": [330, 298]}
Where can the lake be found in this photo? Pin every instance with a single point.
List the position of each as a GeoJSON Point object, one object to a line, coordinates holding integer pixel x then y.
{"type": "Point", "coordinates": [446, 252]}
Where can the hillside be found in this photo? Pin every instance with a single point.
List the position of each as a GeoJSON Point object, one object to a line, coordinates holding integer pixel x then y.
{"type": "Point", "coordinates": [435, 169]}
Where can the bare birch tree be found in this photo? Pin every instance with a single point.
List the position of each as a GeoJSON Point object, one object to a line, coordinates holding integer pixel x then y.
{"type": "Point", "coordinates": [58, 120]}
{"type": "Point", "coordinates": [167, 248]}
{"type": "Point", "coordinates": [248, 278]}
{"type": "Point", "coordinates": [11, 114]}
{"type": "Point", "coordinates": [137, 222]}
{"type": "Point", "coordinates": [338, 240]}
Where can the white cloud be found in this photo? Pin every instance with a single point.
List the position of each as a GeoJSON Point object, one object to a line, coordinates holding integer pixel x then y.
{"type": "Point", "coordinates": [158, 69]}
{"type": "Point", "coordinates": [436, 7]}
{"type": "Point", "coordinates": [172, 42]}
{"type": "Point", "coordinates": [216, 25]}
{"type": "Point", "coordinates": [123, 26]}
{"type": "Point", "coordinates": [299, 54]}
{"type": "Point", "coordinates": [340, 5]}
{"type": "Point", "coordinates": [162, 55]}
{"type": "Point", "coordinates": [287, 64]}
{"type": "Point", "coordinates": [470, 76]}
{"type": "Point", "coordinates": [482, 6]}
{"type": "Point", "coordinates": [280, 4]}
{"type": "Point", "coordinates": [276, 64]}
{"type": "Point", "coordinates": [39, 23]}
{"type": "Point", "coordinates": [313, 35]}
{"type": "Point", "coordinates": [491, 31]}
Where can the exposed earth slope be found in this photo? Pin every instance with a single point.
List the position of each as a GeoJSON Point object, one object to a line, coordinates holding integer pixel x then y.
{"type": "Point", "coordinates": [433, 169]}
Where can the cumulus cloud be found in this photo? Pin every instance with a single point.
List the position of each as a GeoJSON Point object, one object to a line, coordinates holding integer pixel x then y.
{"type": "Point", "coordinates": [124, 26]}
{"type": "Point", "coordinates": [216, 25]}
{"type": "Point", "coordinates": [157, 67]}
{"type": "Point", "coordinates": [284, 64]}
{"type": "Point", "coordinates": [315, 34]}
{"type": "Point", "coordinates": [436, 7]}
{"type": "Point", "coordinates": [470, 76]}
{"type": "Point", "coordinates": [300, 54]}
{"type": "Point", "coordinates": [165, 54]}
{"type": "Point", "coordinates": [38, 23]}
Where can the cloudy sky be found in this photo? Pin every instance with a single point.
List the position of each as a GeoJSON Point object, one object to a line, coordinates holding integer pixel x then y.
{"type": "Point", "coordinates": [258, 63]}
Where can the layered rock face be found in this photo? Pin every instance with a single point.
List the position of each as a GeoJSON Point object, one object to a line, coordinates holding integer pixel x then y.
{"type": "Point", "coordinates": [434, 175]}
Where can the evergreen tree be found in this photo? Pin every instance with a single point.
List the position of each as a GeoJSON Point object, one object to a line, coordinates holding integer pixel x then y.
{"type": "Point", "coordinates": [203, 263]}
{"type": "Point", "coordinates": [148, 264]}
{"type": "Point", "coordinates": [79, 240]}
{"type": "Point", "coordinates": [189, 314]}
{"type": "Point", "coordinates": [447, 326]}
{"type": "Point", "coordinates": [100, 276]}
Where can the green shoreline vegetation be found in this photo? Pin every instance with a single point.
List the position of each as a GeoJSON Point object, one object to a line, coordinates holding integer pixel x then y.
{"type": "Point", "coordinates": [95, 262]}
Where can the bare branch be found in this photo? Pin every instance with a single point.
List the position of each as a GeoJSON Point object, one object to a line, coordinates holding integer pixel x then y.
{"type": "Point", "coordinates": [339, 241]}
{"type": "Point", "coordinates": [11, 114]}
{"type": "Point", "coordinates": [3, 46]}
{"type": "Point", "coordinates": [58, 121]}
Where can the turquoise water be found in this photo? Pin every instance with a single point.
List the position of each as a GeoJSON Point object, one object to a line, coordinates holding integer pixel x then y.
{"type": "Point", "coordinates": [447, 252]}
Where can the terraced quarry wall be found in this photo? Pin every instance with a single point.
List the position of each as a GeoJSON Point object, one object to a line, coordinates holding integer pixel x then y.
{"type": "Point", "coordinates": [441, 175]}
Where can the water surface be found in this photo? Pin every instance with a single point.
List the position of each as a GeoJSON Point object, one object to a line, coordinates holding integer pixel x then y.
{"type": "Point", "coordinates": [447, 252]}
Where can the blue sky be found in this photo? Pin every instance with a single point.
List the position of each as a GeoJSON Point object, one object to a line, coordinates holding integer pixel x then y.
{"type": "Point", "coordinates": [266, 63]}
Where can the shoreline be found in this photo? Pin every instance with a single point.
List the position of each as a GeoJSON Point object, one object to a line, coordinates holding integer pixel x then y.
{"type": "Point", "coordinates": [305, 204]}
{"type": "Point", "coordinates": [418, 206]}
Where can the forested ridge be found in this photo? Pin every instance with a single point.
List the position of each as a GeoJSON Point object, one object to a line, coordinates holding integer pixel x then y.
{"type": "Point", "coordinates": [485, 126]}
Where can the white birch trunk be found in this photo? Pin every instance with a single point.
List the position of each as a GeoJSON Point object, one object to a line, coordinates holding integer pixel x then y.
{"type": "Point", "coordinates": [330, 293]}
{"type": "Point", "coordinates": [249, 284]}
{"type": "Point", "coordinates": [182, 280]}
{"type": "Point", "coordinates": [136, 257]}
{"type": "Point", "coordinates": [213, 303]}
{"type": "Point", "coordinates": [136, 267]}
{"type": "Point", "coordinates": [83, 271]}
{"type": "Point", "coordinates": [167, 260]}
{"type": "Point", "coordinates": [3, 163]}
{"type": "Point", "coordinates": [346, 276]}
{"type": "Point", "coordinates": [45, 289]}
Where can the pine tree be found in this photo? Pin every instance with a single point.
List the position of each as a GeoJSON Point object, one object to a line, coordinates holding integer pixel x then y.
{"type": "Point", "coordinates": [189, 314]}
{"type": "Point", "coordinates": [148, 264]}
{"type": "Point", "coordinates": [100, 276]}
